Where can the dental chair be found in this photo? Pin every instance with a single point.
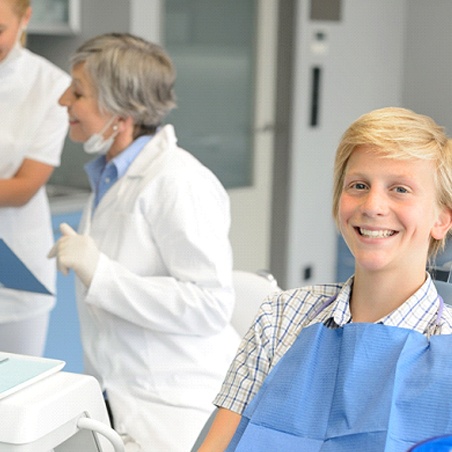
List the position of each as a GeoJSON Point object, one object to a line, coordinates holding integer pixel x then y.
{"type": "Point", "coordinates": [445, 290]}
{"type": "Point", "coordinates": [442, 278]}
{"type": "Point", "coordinates": [251, 289]}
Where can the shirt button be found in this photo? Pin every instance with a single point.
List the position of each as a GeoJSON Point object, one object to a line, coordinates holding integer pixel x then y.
{"type": "Point", "coordinates": [107, 180]}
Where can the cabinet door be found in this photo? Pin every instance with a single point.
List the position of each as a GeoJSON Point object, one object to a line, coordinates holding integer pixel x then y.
{"type": "Point", "coordinates": [59, 17]}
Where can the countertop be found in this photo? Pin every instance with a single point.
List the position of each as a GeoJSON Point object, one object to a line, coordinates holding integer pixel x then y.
{"type": "Point", "coordinates": [64, 199]}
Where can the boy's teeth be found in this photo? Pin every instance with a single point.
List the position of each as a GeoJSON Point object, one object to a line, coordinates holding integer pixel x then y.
{"type": "Point", "coordinates": [376, 234]}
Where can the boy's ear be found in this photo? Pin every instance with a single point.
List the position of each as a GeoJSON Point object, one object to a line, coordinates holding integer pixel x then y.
{"type": "Point", "coordinates": [443, 224]}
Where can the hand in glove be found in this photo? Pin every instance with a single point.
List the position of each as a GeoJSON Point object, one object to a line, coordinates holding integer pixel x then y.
{"type": "Point", "coordinates": [75, 251]}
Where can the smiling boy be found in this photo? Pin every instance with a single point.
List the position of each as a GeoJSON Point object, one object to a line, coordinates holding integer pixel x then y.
{"type": "Point", "coordinates": [330, 367]}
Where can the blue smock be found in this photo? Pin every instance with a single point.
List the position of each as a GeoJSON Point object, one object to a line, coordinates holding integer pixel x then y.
{"type": "Point", "coordinates": [363, 386]}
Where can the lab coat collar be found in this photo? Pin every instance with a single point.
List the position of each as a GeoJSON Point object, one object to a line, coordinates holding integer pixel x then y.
{"type": "Point", "coordinates": [158, 147]}
{"type": "Point", "coordinates": [164, 141]}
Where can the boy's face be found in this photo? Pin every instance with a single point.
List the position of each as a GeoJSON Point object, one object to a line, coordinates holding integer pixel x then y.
{"type": "Point", "coordinates": [388, 211]}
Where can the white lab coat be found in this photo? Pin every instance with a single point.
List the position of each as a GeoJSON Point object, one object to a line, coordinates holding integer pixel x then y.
{"type": "Point", "coordinates": [32, 125]}
{"type": "Point", "coordinates": [155, 320]}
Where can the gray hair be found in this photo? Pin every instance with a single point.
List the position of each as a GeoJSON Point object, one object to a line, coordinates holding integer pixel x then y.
{"type": "Point", "coordinates": [131, 77]}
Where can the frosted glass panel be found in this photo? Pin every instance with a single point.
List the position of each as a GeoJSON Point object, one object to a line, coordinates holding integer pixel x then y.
{"type": "Point", "coordinates": [212, 45]}
{"type": "Point", "coordinates": [50, 11]}
{"type": "Point", "coordinates": [55, 17]}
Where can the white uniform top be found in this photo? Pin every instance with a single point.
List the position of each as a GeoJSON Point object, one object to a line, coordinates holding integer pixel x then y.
{"type": "Point", "coordinates": [155, 320]}
{"type": "Point", "coordinates": [33, 126]}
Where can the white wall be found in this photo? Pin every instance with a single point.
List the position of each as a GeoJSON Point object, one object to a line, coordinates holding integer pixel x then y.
{"type": "Point", "coordinates": [362, 63]}
{"type": "Point", "coordinates": [145, 19]}
{"type": "Point", "coordinates": [428, 66]}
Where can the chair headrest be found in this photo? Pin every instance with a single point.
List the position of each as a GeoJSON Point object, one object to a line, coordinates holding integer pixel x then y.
{"type": "Point", "coordinates": [444, 290]}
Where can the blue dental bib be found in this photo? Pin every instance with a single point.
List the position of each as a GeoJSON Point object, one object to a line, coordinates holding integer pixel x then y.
{"type": "Point", "coordinates": [364, 387]}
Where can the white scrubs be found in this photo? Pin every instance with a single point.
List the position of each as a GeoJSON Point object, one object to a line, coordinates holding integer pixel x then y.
{"type": "Point", "coordinates": [32, 126]}
{"type": "Point", "coordinates": [156, 319]}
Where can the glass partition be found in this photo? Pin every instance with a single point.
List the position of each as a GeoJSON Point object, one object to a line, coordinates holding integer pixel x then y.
{"type": "Point", "coordinates": [212, 43]}
{"type": "Point", "coordinates": [59, 17]}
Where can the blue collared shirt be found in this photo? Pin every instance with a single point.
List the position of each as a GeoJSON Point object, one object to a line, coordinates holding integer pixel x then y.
{"type": "Point", "coordinates": [102, 175]}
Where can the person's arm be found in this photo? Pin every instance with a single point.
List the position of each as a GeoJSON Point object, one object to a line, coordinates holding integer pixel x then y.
{"type": "Point", "coordinates": [221, 432]}
{"type": "Point", "coordinates": [20, 188]}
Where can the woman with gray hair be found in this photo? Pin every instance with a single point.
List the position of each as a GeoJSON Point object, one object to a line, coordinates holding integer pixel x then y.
{"type": "Point", "coordinates": [152, 257]}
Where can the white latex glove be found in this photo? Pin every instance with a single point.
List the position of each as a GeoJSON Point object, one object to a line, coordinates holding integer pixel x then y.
{"type": "Point", "coordinates": [75, 251]}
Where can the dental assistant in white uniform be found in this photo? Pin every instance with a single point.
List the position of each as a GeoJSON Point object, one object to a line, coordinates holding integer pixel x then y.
{"type": "Point", "coordinates": [32, 131]}
{"type": "Point", "coordinates": [152, 257]}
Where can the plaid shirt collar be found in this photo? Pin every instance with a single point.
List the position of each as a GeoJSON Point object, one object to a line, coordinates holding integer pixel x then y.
{"type": "Point", "coordinates": [418, 313]}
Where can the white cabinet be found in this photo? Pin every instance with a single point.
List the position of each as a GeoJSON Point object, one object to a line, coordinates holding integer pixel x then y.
{"type": "Point", "coordinates": [55, 17]}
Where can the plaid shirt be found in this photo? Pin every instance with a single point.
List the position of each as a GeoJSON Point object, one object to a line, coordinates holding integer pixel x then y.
{"type": "Point", "coordinates": [282, 317]}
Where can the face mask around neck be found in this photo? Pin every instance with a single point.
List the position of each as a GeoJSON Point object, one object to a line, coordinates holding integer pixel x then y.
{"type": "Point", "coordinates": [97, 144]}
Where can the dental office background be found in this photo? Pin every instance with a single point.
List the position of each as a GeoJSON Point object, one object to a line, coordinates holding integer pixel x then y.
{"type": "Point", "coordinates": [265, 89]}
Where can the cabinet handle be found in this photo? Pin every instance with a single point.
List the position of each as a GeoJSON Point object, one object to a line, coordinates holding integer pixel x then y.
{"type": "Point", "coordinates": [315, 96]}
